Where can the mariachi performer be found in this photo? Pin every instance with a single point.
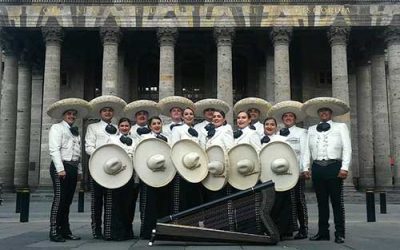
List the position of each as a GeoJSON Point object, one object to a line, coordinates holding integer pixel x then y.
{"type": "Point", "coordinates": [169, 109]}
{"type": "Point", "coordinates": [290, 113]}
{"type": "Point", "coordinates": [141, 116]}
{"type": "Point", "coordinates": [244, 134]}
{"type": "Point", "coordinates": [98, 134]}
{"type": "Point", "coordinates": [65, 167]}
{"type": "Point", "coordinates": [270, 132]}
{"type": "Point", "coordinates": [329, 147]}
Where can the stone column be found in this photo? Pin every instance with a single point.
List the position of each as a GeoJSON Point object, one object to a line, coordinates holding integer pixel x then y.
{"type": "Point", "coordinates": [270, 77]}
{"type": "Point", "coordinates": [281, 39]}
{"type": "Point", "coordinates": [392, 36]}
{"type": "Point", "coordinates": [51, 94]}
{"type": "Point", "coordinates": [8, 117]}
{"type": "Point", "coordinates": [23, 122]}
{"type": "Point", "coordinates": [354, 125]}
{"type": "Point", "coordinates": [167, 37]}
{"type": "Point", "coordinates": [365, 125]}
{"type": "Point", "coordinates": [224, 37]}
{"type": "Point", "coordinates": [111, 37]}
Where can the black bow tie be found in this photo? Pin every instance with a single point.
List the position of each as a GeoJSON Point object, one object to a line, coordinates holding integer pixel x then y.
{"type": "Point", "coordinates": [126, 140]}
{"type": "Point", "coordinates": [161, 137]}
{"type": "Point", "coordinates": [175, 125]}
{"type": "Point", "coordinates": [323, 126]}
{"type": "Point", "coordinates": [265, 139]}
{"type": "Point", "coordinates": [111, 129]}
{"type": "Point", "coordinates": [143, 130]}
{"type": "Point", "coordinates": [284, 132]}
{"type": "Point", "coordinates": [193, 132]}
{"type": "Point", "coordinates": [210, 132]}
{"type": "Point", "coordinates": [74, 131]}
{"type": "Point", "coordinates": [252, 127]}
{"type": "Point", "coordinates": [237, 133]}
{"type": "Point", "coordinates": [209, 126]}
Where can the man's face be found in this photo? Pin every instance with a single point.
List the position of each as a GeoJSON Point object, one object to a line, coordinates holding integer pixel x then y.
{"type": "Point", "coordinates": [289, 119]}
{"type": "Point", "coordinates": [106, 114]}
{"type": "Point", "coordinates": [141, 118]}
{"type": "Point", "coordinates": [254, 114]}
{"type": "Point", "coordinates": [70, 116]}
{"type": "Point", "coordinates": [208, 114]}
{"type": "Point", "coordinates": [176, 113]}
{"type": "Point", "coordinates": [325, 114]}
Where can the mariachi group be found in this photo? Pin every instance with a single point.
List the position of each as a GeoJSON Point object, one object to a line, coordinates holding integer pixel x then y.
{"type": "Point", "coordinates": [158, 152]}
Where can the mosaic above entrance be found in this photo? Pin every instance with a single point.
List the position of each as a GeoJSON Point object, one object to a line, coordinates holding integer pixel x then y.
{"type": "Point", "coordinates": [199, 15]}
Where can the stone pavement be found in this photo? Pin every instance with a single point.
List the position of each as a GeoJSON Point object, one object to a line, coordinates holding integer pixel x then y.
{"type": "Point", "coordinates": [383, 234]}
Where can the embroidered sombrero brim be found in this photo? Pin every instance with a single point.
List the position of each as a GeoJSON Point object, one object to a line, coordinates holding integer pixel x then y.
{"type": "Point", "coordinates": [107, 101]}
{"type": "Point", "coordinates": [279, 109]}
{"type": "Point", "coordinates": [210, 103]}
{"type": "Point", "coordinates": [167, 103]}
{"type": "Point", "coordinates": [253, 102]}
{"type": "Point", "coordinates": [57, 109]}
{"type": "Point", "coordinates": [150, 107]}
{"type": "Point", "coordinates": [337, 106]}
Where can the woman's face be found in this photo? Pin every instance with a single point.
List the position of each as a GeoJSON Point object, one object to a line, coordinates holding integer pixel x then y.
{"type": "Point", "coordinates": [243, 120]}
{"type": "Point", "coordinates": [188, 116]}
{"type": "Point", "coordinates": [270, 127]}
{"type": "Point", "coordinates": [218, 119]}
{"type": "Point", "coordinates": [156, 126]}
{"type": "Point", "coordinates": [124, 127]}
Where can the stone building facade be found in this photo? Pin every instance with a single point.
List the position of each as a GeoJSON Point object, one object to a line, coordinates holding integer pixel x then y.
{"type": "Point", "coordinates": [226, 49]}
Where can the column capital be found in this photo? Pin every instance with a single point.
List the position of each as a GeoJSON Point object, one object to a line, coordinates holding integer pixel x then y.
{"type": "Point", "coordinates": [338, 35]}
{"type": "Point", "coordinates": [392, 35]}
{"type": "Point", "coordinates": [281, 35]}
{"type": "Point", "coordinates": [52, 34]}
{"type": "Point", "coordinates": [167, 35]}
{"type": "Point", "coordinates": [110, 34]}
{"type": "Point", "coordinates": [224, 36]}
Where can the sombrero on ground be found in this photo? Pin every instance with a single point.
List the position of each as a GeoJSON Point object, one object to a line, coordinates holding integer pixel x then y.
{"type": "Point", "coordinates": [167, 103]}
{"type": "Point", "coordinates": [253, 102]}
{"type": "Point", "coordinates": [107, 101]}
{"type": "Point", "coordinates": [279, 109]}
{"type": "Point", "coordinates": [57, 109]}
{"type": "Point", "coordinates": [110, 166]}
{"type": "Point", "coordinates": [210, 103]}
{"type": "Point", "coordinates": [217, 168]}
{"type": "Point", "coordinates": [244, 169]}
{"type": "Point", "coordinates": [150, 107]}
{"type": "Point", "coordinates": [337, 106]}
{"type": "Point", "coordinates": [153, 163]}
{"type": "Point", "coordinates": [279, 164]}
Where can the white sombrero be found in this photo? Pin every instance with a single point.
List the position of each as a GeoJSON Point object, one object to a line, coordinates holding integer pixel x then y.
{"type": "Point", "coordinates": [110, 166]}
{"type": "Point", "coordinates": [210, 103]}
{"type": "Point", "coordinates": [217, 168]}
{"type": "Point", "coordinates": [107, 101]}
{"type": "Point", "coordinates": [337, 106]}
{"type": "Point", "coordinates": [167, 103]}
{"type": "Point", "coordinates": [150, 107]}
{"type": "Point", "coordinates": [190, 160]}
{"type": "Point", "coordinates": [279, 109]}
{"type": "Point", "coordinates": [153, 163]}
{"type": "Point", "coordinates": [244, 169]}
{"type": "Point", "coordinates": [279, 164]}
{"type": "Point", "coordinates": [253, 102]}
{"type": "Point", "coordinates": [57, 109]}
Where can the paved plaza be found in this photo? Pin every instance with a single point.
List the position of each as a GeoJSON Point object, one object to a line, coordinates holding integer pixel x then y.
{"type": "Point", "coordinates": [382, 234]}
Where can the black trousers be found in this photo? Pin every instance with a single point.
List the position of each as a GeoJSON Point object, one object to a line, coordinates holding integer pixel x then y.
{"type": "Point", "coordinates": [328, 186]}
{"type": "Point", "coordinates": [64, 189]}
{"type": "Point", "coordinates": [282, 214]}
{"type": "Point", "coordinates": [301, 206]}
{"type": "Point", "coordinates": [96, 205]}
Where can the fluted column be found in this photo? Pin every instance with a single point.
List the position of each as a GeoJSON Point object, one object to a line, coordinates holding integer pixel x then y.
{"type": "Point", "coordinates": [224, 38]}
{"type": "Point", "coordinates": [8, 110]}
{"type": "Point", "coordinates": [354, 125]}
{"type": "Point", "coordinates": [167, 37]}
{"type": "Point", "coordinates": [111, 37]}
{"type": "Point", "coordinates": [281, 39]}
{"type": "Point", "coordinates": [270, 77]}
{"type": "Point", "coordinates": [23, 122]}
{"type": "Point", "coordinates": [392, 36]}
{"type": "Point", "coordinates": [51, 94]}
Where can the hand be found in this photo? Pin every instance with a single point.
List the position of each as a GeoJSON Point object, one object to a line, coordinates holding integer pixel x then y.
{"type": "Point", "coordinates": [342, 174]}
{"type": "Point", "coordinates": [306, 174]}
{"type": "Point", "coordinates": [62, 174]}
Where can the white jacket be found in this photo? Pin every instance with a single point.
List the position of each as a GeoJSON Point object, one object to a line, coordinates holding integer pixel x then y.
{"type": "Point", "coordinates": [223, 137]}
{"type": "Point", "coordinates": [96, 136]}
{"type": "Point", "coordinates": [259, 128]}
{"type": "Point", "coordinates": [297, 140]}
{"type": "Point", "coordinates": [181, 132]}
{"type": "Point", "coordinates": [251, 137]}
{"type": "Point", "coordinates": [333, 144]}
{"type": "Point", "coordinates": [166, 129]}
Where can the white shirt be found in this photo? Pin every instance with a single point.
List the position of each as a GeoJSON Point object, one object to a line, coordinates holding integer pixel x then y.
{"type": "Point", "coordinates": [154, 135]}
{"type": "Point", "coordinates": [200, 127]}
{"type": "Point", "coordinates": [133, 132]}
{"type": "Point", "coordinates": [259, 128]}
{"type": "Point", "coordinates": [96, 136]}
{"type": "Point", "coordinates": [251, 137]}
{"type": "Point", "coordinates": [181, 132]}
{"type": "Point", "coordinates": [64, 146]}
{"type": "Point", "coordinates": [297, 140]}
{"type": "Point", "coordinates": [223, 137]}
{"type": "Point", "coordinates": [167, 130]}
{"type": "Point", "coordinates": [333, 144]}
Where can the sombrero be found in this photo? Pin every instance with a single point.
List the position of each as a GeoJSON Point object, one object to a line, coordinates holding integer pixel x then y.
{"type": "Point", "coordinates": [153, 163]}
{"type": "Point", "coordinates": [169, 102]}
{"type": "Point", "coordinates": [253, 102]}
{"type": "Point", "coordinates": [190, 160]}
{"type": "Point", "coordinates": [217, 168]}
{"type": "Point", "coordinates": [210, 103]}
{"type": "Point", "coordinates": [110, 166]}
{"type": "Point", "coordinates": [337, 106]}
{"type": "Point", "coordinates": [279, 164]}
{"type": "Point", "coordinates": [57, 109]}
{"type": "Point", "coordinates": [107, 101]}
{"type": "Point", "coordinates": [150, 107]}
{"type": "Point", "coordinates": [279, 109]}
{"type": "Point", "coordinates": [244, 169]}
